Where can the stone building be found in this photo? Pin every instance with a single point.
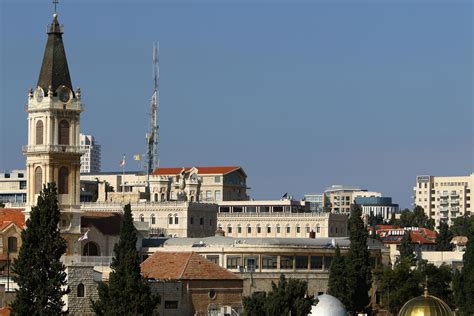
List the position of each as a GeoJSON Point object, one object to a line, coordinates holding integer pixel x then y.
{"type": "Point", "coordinates": [189, 284]}
{"type": "Point", "coordinates": [12, 221]}
{"type": "Point", "coordinates": [339, 198]}
{"type": "Point", "coordinates": [82, 280]}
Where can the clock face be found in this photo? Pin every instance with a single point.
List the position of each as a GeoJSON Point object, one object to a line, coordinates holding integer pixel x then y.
{"type": "Point", "coordinates": [39, 94]}
{"type": "Point", "coordinates": [64, 94]}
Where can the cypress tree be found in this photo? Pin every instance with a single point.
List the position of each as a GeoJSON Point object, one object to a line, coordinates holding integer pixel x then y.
{"type": "Point", "coordinates": [464, 281]}
{"type": "Point", "coordinates": [337, 285]}
{"type": "Point", "coordinates": [127, 292]}
{"type": "Point", "coordinates": [358, 272]}
{"type": "Point", "coordinates": [443, 239]}
{"type": "Point", "coordinates": [406, 248]}
{"type": "Point", "coordinates": [39, 273]}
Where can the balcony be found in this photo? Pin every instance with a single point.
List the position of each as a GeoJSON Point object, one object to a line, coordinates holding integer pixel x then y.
{"type": "Point", "coordinates": [443, 202]}
{"type": "Point", "coordinates": [38, 149]}
{"type": "Point", "coordinates": [454, 202]}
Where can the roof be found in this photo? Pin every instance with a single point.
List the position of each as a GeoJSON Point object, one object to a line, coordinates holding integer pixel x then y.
{"type": "Point", "coordinates": [11, 215]}
{"type": "Point", "coordinates": [201, 170]}
{"type": "Point", "coordinates": [183, 266]}
{"type": "Point", "coordinates": [108, 223]}
{"type": "Point", "coordinates": [54, 69]}
{"type": "Point", "coordinates": [419, 236]}
{"type": "Point", "coordinates": [459, 240]}
{"type": "Point", "coordinates": [5, 311]}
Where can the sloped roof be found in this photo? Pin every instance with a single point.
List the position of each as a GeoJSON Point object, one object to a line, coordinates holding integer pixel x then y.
{"type": "Point", "coordinates": [201, 170]}
{"type": "Point", "coordinates": [12, 215]}
{"type": "Point", "coordinates": [183, 266]}
{"type": "Point", "coordinates": [420, 236]}
{"type": "Point", "coordinates": [108, 223]}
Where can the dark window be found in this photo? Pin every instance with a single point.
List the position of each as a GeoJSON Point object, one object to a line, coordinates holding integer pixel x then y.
{"type": "Point", "coordinates": [191, 220]}
{"type": "Point", "coordinates": [278, 209]}
{"type": "Point", "coordinates": [170, 219]}
{"type": "Point", "coordinates": [233, 262]}
{"type": "Point", "coordinates": [38, 179]}
{"type": "Point", "coordinates": [176, 221]}
{"type": "Point", "coordinates": [316, 262]}
{"type": "Point", "coordinates": [152, 219]}
{"type": "Point", "coordinates": [224, 209]}
{"type": "Point", "coordinates": [90, 249]}
{"type": "Point", "coordinates": [63, 133]}
{"type": "Point", "coordinates": [213, 258]}
{"type": "Point", "coordinates": [302, 262]}
{"type": "Point", "coordinates": [286, 262]}
{"type": "Point", "coordinates": [269, 262]}
{"type": "Point", "coordinates": [12, 244]}
{"type": "Point", "coordinates": [22, 185]}
{"type": "Point", "coordinates": [39, 133]}
{"type": "Point", "coordinates": [269, 229]}
{"type": "Point", "coordinates": [171, 304]}
{"type": "Point", "coordinates": [201, 221]}
{"type": "Point", "coordinates": [249, 229]}
{"type": "Point", "coordinates": [81, 291]}
{"type": "Point", "coordinates": [237, 209]}
{"type": "Point", "coordinates": [63, 180]}
{"type": "Point", "coordinates": [259, 229]}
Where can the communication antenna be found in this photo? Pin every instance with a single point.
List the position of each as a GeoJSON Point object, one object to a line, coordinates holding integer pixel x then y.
{"type": "Point", "coordinates": [152, 135]}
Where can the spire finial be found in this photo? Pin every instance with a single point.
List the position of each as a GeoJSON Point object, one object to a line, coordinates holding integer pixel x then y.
{"type": "Point", "coordinates": [55, 2]}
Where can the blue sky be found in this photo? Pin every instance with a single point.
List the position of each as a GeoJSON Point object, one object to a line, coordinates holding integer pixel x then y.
{"type": "Point", "coordinates": [301, 94]}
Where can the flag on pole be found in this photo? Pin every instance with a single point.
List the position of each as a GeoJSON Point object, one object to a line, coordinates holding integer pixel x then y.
{"type": "Point", "coordinates": [122, 162]}
{"type": "Point", "coordinates": [83, 237]}
{"type": "Point", "coordinates": [137, 157]}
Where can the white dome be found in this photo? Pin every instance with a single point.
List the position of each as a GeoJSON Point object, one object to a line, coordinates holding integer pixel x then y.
{"type": "Point", "coordinates": [328, 305]}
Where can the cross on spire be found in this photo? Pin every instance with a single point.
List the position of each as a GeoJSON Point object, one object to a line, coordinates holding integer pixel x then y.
{"type": "Point", "coordinates": [55, 2]}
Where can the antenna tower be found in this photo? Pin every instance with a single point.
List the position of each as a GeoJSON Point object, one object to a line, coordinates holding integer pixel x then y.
{"type": "Point", "coordinates": [152, 135]}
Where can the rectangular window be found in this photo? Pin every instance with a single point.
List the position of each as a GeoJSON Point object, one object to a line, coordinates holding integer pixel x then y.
{"type": "Point", "coordinates": [269, 229]}
{"type": "Point", "coordinates": [249, 229]}
{"type": "Point", "coordinates": [251, 262]}
{"type": "Point", "coordinates": [269, 262]}
{"type": "Point", "coordinates": [316, 262]}
{"type": "Point", "coordinates": [201, 221]}
{"type": "Point", "coordinates": [302, 262]}
{"type": "Point", "coordinates": [288, 229]}
{"type": "Point", "coordinates": [286, 262]}
{"type": "Point", "coordinates": [218, 195]}
{"type": "Point", "coordinates": [278, 209]}
{"type": "Point", "coordinates": [229, 229]}
{"type": "Point", "coordinates": [233, 262]}
{"type": "Point", "coordinates": [171, 304]}
{"type": "Point", "coordinates": [259, 229]}
{"type": "Point", "coordinates": [278, 229]}
{"type": "Point", "coordinates": [208, 195]}
{"type": "Point", "coordinates": [264, 209]}
{"type": "Point", "coordinates": [213, 258]}
{"type": "Point", "coordinates": [217, 179]}
{"type": "Point", "coordinates": [251, 209]}
{"type": "Point", "coordinates": [239, 229]}
{"type": "Point", "coordinates": [298, 229]}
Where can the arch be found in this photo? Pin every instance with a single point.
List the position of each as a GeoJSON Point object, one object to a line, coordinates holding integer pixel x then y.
{"type": "Point", "coordinates": [269, 229]}
{"type": "Point", "coordinates": [12, 244]}
{"type": "Point", "coordinates": [39, 133]}
{"type": "Point", "coordinates": [152, 219]}
{"type": "Point", "coordinates": [63, 182]}
{"type": "Point", "coordinates": [288, 228]}
{"type": "Point", "coordinates": [81, 290]}
{"type": "Point", "coordinates": [91, 249]}
{"type": "Point", "coordinates": [229, 228]}
{"type": "Point", "coordinates": [141, 218]}
{"type": "Point", "coordinates": [192, 199]}
{"type": "Point", "coordinates": [170, 219]}
{"type": "Point", "coordinates": [162, 196]}
{"type": "Point", "coordinates": [259, 229]}
{"type": "Point", "coordinates": [298, 228]}
{"type": "Point", "coordinates": [239, 229]}
{"type": "Point", "coordinates": [63, 136]}
{"type": "Point", "coordinates": [249, 229]}
{"type": "Point", "coordinates": [219, 226]}
{"type": "Point", "coordinates": [278, 229]}
{"type": "Point", "coordinates": [156, 197]}
{"type": "Point", "coordinates": [38, 179]}
{"type": "Point", "coordinates": [176, 219]}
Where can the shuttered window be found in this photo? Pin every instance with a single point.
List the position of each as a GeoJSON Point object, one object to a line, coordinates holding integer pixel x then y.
{"type": "Point", "coordinates": [64, 132]}
{"type": "Point", "coordinates": [38, 179]}
{"type": "Point", "coordinates": [63, 180]}
{"type": "Point", "coordinates": [39, 133]}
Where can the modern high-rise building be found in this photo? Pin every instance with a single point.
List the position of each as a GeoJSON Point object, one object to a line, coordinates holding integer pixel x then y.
{"type": "Point", "coordinates": [90, 160]}
{"type": "Point", "coordinates": [444, 198]}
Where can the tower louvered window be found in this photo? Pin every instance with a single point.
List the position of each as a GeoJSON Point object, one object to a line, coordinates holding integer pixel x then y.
{"type": "Point", "coordinates": [39, 133]}
{"type": "Point", "coordinates": [64, 132]}
{"type": "Point", "coordinates": [38, 179]}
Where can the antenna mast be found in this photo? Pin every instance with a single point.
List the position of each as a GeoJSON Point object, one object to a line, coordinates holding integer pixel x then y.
{"type": "Point", "coordinates": [152, 135]}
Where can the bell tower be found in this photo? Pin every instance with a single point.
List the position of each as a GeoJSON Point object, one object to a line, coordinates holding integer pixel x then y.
{"type": "Point", "coordinates": [53, 151]}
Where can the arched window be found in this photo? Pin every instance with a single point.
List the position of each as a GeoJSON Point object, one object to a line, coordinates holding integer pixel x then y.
{"type": "Point", "coordinates": [298, 228]}
{"type": "Point", "coordinates": [192, 199]}
{"type": "Point", "coordinates": [170, 219]}
{"type": "Point", "coordinates": [259, 229]}
{"type": "Point", "coordinates": [162, 196]}
{"type": "Point", "coordinates": [156, 197]}
{"type": "Point", "coordinates": [141, 218]}
{"type": "Point", "coordinates": [269, 229]}
{"type": "Point", "coordinates": [152, 219]}
{"type": "Point", "coordinates": [249, 229]}
{"type": "Point", "coordinates": [288, 228]}
{"type": "Point", "coordinates": [318, 229]}
{"type": "Point", "coordinates": [81, 290]}
{"type": "Point", "coordinates": [38, 179]}
{"type": "Point", "coordinates": [307, 228]}
{"type": "Point", "coordinates": [63, 138]}
{"type": "Point", "coordinates": [176, 221]}
{"type": "Point", "coordinates": [63, 180]}
{"type": "Point", "coordinates": [39, 132]}
{"type": "Point", "coordinates": [90, 249]}
{"type": "Point", "coordinates": [278, 229]}
{"type": "Point", "coordinates": [229, 229]}
{"type": "Point", "coordinates": [239, 229]}
{"type": "Point", "coordinates": [12, 244]}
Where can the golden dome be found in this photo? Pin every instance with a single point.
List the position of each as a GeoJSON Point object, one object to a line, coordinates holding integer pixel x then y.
{"type": "Point", "coordinates": [425, 305]}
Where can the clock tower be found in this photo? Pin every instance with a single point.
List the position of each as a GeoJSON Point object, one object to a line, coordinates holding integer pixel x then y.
{"type": "Point", "coordinates": [53, 151]}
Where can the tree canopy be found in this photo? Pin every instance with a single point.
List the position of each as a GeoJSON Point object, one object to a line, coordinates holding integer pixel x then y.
{"type": "Point", "coordinates": [337, 285]}
{"type": "Point", "coordinates": [443, 239]}
{"type": "Point", "coordinates": [38, 271]}
{"type": "Point", "coordinates": [415, 218]}
{"type": "Point", "coordinates": [406, 248]}
{"type": "Point", "coordinates": [127, 292]}
{"type": "Point", "coordinates": [464, 280]}
{"type": "Point", "coordinates": [462, 225]}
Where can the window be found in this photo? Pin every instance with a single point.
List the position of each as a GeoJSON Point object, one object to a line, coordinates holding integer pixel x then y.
{"type": "Point", "coordinates": [90, 249]}
{"type": "Point", "coordinates": [218, 195]}
{"type": "Point", "coordinates": [233, 262]}
{"type": "Point", "coordinates": [286, 262]}
{"type": "Point", "coordinates": [39, 133]}
{"type": "Point", "coordinates": [259, 229]}
{"type": "Point", "coordinates": [217, 179]}
{"type": "Point", "coordinates": [249, 229]}
{"type": "Point", "coordinates": [81, 291]}
{"type": "Point", "coordinates": [12, 244]}
{"type": "Point", "coordinates": [170, 219]}
{"type": "Point", "coordinates": [278, 209]}
{"type": "Point", "coordinates": [239, 229]}
{"type": "Point", "coordinates": [269, 229]}
{"type": "Point", "coordinates": [229, 229]}
{"type": "Point", "coordinates": [63, 133]}
{"type": "Point", "coordinates": [171, 304]}
{"type": "Point", "coordinates": [302, 262]}
{"type": "Point", "coordinates": [307, 228]}
{"type": "Point", "coordinates": [208, 195]}
{"type": "Point", "coordinates": [213, 258]}
{"type": "Point", "coordinates": [316, 262]}
{"type": "Point", "coordinates": [176, 219]}
{"type": "Point", "coordinates": [152, 219]}
{"type": "Point", "coordinates": [141, 218]}
{"type": "Point", "coordinates": [269, 262]}
{"type": "Point", "coordinates": [298, 229]}
{"type": "Point", "coordinates": [63, 180]}
{"type": "Point", "coordinates": [38, 179]}
{"type": "Point", "coordinates": [318, 229]}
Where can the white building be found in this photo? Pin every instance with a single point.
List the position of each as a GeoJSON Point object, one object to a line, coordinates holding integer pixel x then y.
{"type": "Point", "coordinates": [444, 198]}
{"type": "Point", "coordinates": [339, 198]}
{"type": "Point", "coordinates": [90, 160]}
{"type": "Point", "coordinates": [13, 186]}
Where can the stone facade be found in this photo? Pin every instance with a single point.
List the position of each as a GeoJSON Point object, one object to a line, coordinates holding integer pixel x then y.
{"type": "Point", "coordinates": [83, 285]}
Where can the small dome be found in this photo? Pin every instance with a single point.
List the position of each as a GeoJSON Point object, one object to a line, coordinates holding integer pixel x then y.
{"type": "Point", "coordinates": [425, 305]}
{"type": "Point", "coordinates": [328, 305]}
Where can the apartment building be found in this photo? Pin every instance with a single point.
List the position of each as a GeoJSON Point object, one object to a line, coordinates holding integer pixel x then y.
{"type": "Point", "coordinates": [90, 160]}
{"type": "Point", "coordinates": [444, 197]}
{"type": "Point", "coordinates": [339, 198]}
{"type": "Point", "coordinates": [13, 186]}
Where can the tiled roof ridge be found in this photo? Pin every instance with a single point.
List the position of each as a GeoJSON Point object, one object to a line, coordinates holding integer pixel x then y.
{"type": "Point", "coordinates": [190, 254]}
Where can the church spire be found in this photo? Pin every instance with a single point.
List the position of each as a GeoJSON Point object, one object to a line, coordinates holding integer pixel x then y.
{"type": "Point", "coordinates": [54, 69]}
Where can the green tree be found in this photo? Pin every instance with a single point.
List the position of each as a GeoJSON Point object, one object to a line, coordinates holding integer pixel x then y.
{"type": "Point", "coordinates": [439, 280]}
{"type": "Point", "coordinates": [462, 225]}
{"type": "Point", "coordinates": [358, 270]}
{"type": "Point", "coordinates": [2, 205]}
{"type": "Point", "coordinates": [443, 239]}
{"type": "Point", "coordinates": [464, 281]}
{"type": "Point", "coordinates": [254, 305]}
{"type": "Point", "coordinates": [38, 271]}
{"type": "Point", "coordinates": [337, 285]}
{"type": "Point", "coordinates": [127, 292]}
{"type": "Point", "coordinates": [415, 218]}
{"type": "Point", "coordinates": [406, 248]}
{"type": "Point", "coordinates": [289, 296]}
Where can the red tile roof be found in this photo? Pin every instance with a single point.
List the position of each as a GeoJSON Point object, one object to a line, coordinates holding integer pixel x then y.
{"type": "Point", "coordinates": [11, 215]}
{"type": "Point", "coordinates": [201, 170]}
{"type": "Point", "coordinates": [5, 311]}
{"type": "Point", "coordinates": [183, 266]}
{"type": "Point", "coordinates": [419, 236]}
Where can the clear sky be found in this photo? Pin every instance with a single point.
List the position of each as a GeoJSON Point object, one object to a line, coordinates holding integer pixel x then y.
{"type": "Point", "coordinates": [301, 94]}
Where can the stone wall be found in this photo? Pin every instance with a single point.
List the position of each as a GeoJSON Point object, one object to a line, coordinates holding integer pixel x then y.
{"type": "Point", "coordinates": [81, 275]}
